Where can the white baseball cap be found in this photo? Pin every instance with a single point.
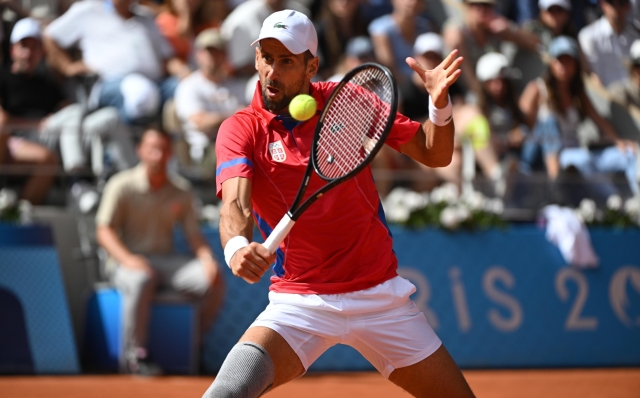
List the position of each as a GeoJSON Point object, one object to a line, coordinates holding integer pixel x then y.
{"type": "Point", "coordinates": [26, 27]}
{"type": "Point", "coordinates": [546, 4]}
{"type": "Point", "coordinates": [494, 65]}
{"type": "Point", "coordinates": [291, 28]}
{"type": "Point", "coordinates": [428, 42]}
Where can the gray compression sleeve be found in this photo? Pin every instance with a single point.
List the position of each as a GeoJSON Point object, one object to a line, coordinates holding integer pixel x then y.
{"type": "Point", "coordinates": [247, 372]}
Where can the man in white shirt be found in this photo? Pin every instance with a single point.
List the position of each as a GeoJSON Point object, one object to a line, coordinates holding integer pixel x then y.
{"type": "Point", "coordinates": [120, 44]}
{"type": "Point", "coordinates": [607, 41]}
{"type": "Point", "coordinates": [242, 26]}
{"type": "Point", "coordinates": [206, 98]}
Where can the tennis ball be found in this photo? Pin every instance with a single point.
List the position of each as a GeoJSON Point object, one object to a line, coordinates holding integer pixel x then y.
{"type": "Point", "coordinates": [302, 107]}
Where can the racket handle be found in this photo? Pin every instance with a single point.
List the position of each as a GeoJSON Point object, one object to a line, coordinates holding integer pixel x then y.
{"type": "Point", "coordinates": [279, 233]}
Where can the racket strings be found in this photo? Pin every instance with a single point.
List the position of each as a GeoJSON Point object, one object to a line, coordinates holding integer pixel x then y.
{"type": "Point", "coordinates": [354, 124]}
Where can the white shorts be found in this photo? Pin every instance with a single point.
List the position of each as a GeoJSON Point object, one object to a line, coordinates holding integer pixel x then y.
{"type": "Point", "coordinates": [381, 323]}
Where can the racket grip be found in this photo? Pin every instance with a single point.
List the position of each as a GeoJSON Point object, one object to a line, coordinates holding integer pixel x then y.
{"type": "Point", "coordinates": [279, 233]}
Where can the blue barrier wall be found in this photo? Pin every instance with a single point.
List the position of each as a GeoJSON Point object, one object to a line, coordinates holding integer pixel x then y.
{"type": "Point", "coordinates": [495, 298]}
{"type": "Point", "coordinates": [30, 273]}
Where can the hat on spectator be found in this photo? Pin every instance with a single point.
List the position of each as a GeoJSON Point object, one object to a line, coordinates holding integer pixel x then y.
{"type": "Point", "coordinates": [546, 4]}
{"type": "Point", "coordinates": [428, 43]}
{"type": "Point", "coordinates": [210, 38]}
{"type": "Point", "coordinates": [291, 28]}
{"type": "Point", "coordinates": [24, 28]}
{"type": "Point", "coordinates": [563, 45]}
{"type": "Point", "coordinates": [494, 65]}
{"type": "Point", "coordinates": [634, 52]}
{"type": "Point", "coordinates": [360, 47]}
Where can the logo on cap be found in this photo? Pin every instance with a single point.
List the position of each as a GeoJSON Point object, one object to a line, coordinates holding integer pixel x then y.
{"type": "Point", "coordinates": [279, 25]}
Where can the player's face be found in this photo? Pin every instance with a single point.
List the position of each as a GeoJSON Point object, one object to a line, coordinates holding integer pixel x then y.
{"type": "Point", "coordinates": [283, 75]}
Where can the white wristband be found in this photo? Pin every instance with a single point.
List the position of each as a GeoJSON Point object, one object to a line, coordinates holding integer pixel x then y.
{"type": "Point", "coordinates": [233, 245]}
{"type": "Point", "coordinates": [440, 117]}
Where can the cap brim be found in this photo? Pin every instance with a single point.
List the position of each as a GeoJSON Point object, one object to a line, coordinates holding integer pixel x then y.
{"type": "Point", "coordinates": [292, 45]}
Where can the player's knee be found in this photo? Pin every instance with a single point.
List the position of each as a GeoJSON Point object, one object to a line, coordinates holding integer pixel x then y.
{"type": "Point", "coordinates": [247, 372]}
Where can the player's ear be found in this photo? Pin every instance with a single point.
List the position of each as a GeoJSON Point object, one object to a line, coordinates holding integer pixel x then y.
{"type": "Point", "coordinates": [312, 67]}
{"type": "Point", "coordinates": [257, 55]}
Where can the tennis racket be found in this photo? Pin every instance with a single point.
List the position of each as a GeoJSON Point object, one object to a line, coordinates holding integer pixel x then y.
{"type": "Point", "coordinates": [351, 129]}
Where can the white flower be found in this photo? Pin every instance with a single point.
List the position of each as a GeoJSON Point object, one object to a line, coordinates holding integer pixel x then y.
{"type": "Point", "coordinates": [397, 213]}
{"type": "Point", "coordinates": [614, 202]}
{"type": "Point", "coordinates": [8, 198]}
{"type": "Point", "coordinates": [587, 210]}
{"type": "Point", "coordinates": [414, 200]}
{"type": "Point", "coordinates": [449, 217]}
{"type": "Point", "coordinates": [462, 213]}
{"type": "Point", "coordinates": [450, 192]}
{"type": "Point", "coordinates": [437, 195]}
{"type": "Point", "coordinates": [632, 205]}
{"type": "Point", "coordinates": [475, 200]}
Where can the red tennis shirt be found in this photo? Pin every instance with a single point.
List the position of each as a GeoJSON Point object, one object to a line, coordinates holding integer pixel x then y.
{"type": "Point", "coordinates": [341, 243]}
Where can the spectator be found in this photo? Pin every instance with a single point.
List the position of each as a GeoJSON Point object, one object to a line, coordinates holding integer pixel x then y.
{"type": "Point", "coordinates": [554, 106]}
{"type": "Point", "coordinates": [607, 41]}
{"type": "Point", "coordinates": [483, 32]}
{"type": "Point", "coordinates": [554, 20]}
{"type": "Point", "coordinates": [180, 22]}
{"type": "Point", "coordinates": [137, 215]}
{"type": "Point", "coordinates": [339, 21]}
{"type": "Point", "coordinates": [123, 46]}
{"type": "Point", "coordinates": [242, 26]}
{"type": "Point", "coordinates": [206, 98]}
{"type": "Point", "coordinates": [28, 94]}
{"type": "Point", "coordinates": [393, 36]}
{"type": "Point", "coordinates": [499, 104]}
{"type": "Point", "coordinates": [358, 51]}
{"type": "Point", "coordinates": [627, 92]}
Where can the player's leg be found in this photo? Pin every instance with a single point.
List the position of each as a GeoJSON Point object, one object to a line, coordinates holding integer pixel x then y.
{"type": "Point", "coordinates": [435, 376]}
{"type": "Point", "coordinates": [261, 361]}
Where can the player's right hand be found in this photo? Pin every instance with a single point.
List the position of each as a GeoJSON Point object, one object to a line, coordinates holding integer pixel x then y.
{"type": "Point", "coordinates": [251, 262]}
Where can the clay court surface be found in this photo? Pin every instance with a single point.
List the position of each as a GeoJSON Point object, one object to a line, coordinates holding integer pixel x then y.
{"type": "Point", "coordinates": [589, 383]}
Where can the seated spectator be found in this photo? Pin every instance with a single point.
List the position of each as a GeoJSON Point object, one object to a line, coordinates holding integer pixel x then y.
{"type": "Point", "coordinates": [243, 25]}
{"type": "Point", "coordinates": [554, 20]}
{"type": "Point", "coordinates": [554, 106]}
{"type": "Point", "coordinates": [135, 222]}
{"type": "Point", "coordinates": [358, 51]}
{"type": "Point", "coordinates": [31, 92]}
{"type": "Point", "coordinates": [627, 92]}
{"type": "Point", "coordinates": [180, 22]}
{"type": "Point", "coordinates": [123, 46]}
{"type": "Point", "coordinates": [206, 98]}
{"type": "Point", "coordinates": [394, 34]}
{"type": "Point", "coordinates": [28, 94]}
{"type": "Point", "coordinates": [499, 105]}
{"type": "Point", "coordinates": [339, 22]}
{"type": "Point", "coordinates": [607, 41]}
{"type": "Point", "coordinates": [482, 32]}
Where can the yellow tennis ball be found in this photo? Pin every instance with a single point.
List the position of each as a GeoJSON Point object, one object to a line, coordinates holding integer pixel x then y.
{"type": "Point", "coordinates": [302, 107]}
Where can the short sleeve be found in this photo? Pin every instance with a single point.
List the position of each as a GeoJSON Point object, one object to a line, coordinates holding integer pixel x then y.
{"type": "Point", "coordinates": [68, 29]}
{"type": "Point", "coordinates": [234, 150]}
{"type": "Point", "coordinates": [587, 46]}
{"type": "Point", "coordinates": [108, 211]}
{"type": "Point", "coordinates": [402, 131]}
{"type": "Point", "coordinates": [380, 26]}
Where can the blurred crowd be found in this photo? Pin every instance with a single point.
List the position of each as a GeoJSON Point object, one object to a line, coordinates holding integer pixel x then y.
{"type": "Point", "coordinates": [82, 81]}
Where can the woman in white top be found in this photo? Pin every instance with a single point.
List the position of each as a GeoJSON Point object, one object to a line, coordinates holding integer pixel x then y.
{"type": "Point", "coordinates": [554, 106]}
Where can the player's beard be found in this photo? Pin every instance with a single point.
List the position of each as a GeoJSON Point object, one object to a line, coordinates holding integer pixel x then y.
{"type": "Point", "coordinates": [288, 95]}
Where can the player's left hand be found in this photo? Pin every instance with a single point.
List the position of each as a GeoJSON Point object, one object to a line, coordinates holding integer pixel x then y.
{"type": "Point", "coordinates": [438, 80]}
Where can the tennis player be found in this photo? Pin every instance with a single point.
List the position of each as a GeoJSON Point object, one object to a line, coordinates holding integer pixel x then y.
{"type": "Point", "coordinates": [335, 275]}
